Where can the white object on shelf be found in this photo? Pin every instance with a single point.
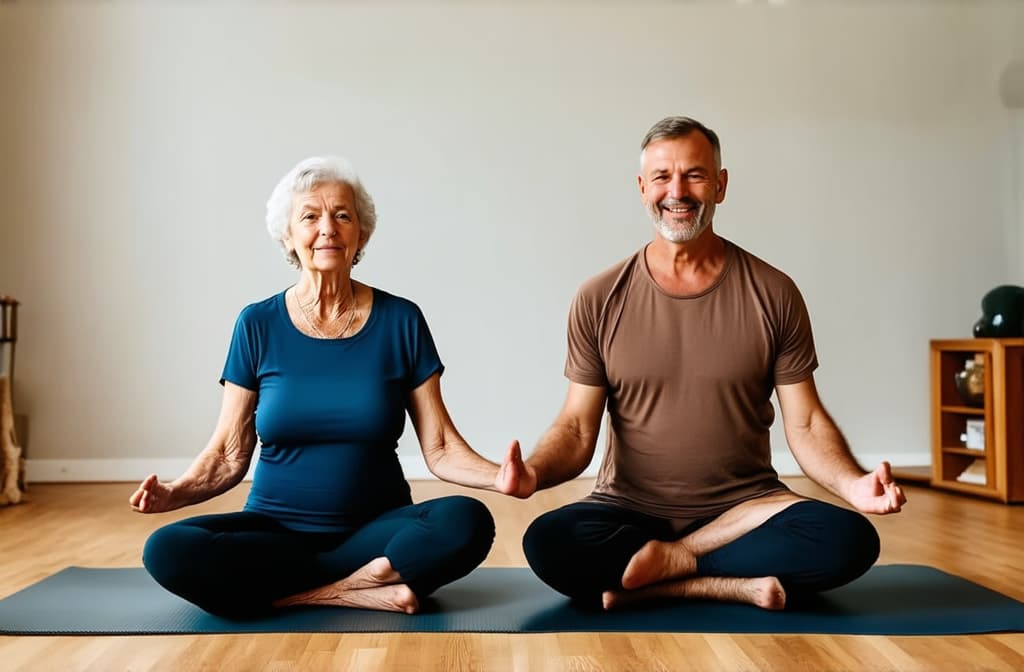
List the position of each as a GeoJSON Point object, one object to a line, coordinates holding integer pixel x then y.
{"type": "Point", "coordinates": [975, 435]}
{"type": "Point", "coordinates": [974, 473]}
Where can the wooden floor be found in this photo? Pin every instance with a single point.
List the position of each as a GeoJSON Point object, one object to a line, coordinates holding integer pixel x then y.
{"type": "Point", "coordinates": [91, 525]}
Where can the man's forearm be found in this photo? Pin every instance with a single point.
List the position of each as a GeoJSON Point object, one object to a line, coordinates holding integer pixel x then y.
{"type": "Point", "coordinates": [562, 454]}
{"type": "Point", "coordinates": [822, 452]}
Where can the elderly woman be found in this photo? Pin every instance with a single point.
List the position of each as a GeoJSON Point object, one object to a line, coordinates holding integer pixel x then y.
{"type": "Point", "coordinates": [323, 374]}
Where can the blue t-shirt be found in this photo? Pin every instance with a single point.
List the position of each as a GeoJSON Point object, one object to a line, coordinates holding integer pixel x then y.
{"type": "Point", "coordinates": [329, 412]}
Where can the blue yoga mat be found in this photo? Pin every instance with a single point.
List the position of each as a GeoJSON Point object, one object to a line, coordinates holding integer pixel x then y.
{"type": "Point", "coordinates": [888, 600]}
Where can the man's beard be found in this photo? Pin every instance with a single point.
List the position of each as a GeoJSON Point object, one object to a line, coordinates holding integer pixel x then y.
{"type": "Point", "coordinates": [687, 230]}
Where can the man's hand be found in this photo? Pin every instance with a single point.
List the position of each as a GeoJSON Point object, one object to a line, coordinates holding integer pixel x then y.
{"type": "Point", "coordinates": [877, 492]}
{"type": "Point", "coordinates": [152, 496]}
{"type": "Point", "coordinates": [515, 477]}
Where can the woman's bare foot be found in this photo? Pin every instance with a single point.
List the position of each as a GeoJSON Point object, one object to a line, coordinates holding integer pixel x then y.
{"type": "Point", "coordinates": [375, 585]}
{"type": "Point", "coordinates": [765, 592]}
{"type": "Point", "coordinates": [377, 572]}
{"type": "Point", "coordinates": [398, 597]}
{"type": "Point", "coordinates": [657, 561]}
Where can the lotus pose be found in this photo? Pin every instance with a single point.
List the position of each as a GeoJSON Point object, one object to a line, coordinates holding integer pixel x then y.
{"type": "Point", "coordinates": [323, 374]}
{"type": "Point", "coordinates": [684, 342]}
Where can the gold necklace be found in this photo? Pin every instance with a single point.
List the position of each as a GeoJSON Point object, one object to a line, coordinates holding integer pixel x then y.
{"type": "Point", "coordinates": [308, 316]}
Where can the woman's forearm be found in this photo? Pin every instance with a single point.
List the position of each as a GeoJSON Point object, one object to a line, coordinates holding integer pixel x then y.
{"type": "Point", "coordinates": [454, 461]}
{"type": "Point", "coordinates": [221, 466]}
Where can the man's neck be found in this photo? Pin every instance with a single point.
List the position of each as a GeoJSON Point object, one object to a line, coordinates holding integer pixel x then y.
{"type": "Point", "coordinates": [686, 268]}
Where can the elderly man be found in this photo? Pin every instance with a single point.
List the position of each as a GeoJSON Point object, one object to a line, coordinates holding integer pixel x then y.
{"type": "Point", "coordinates": [684, 343]}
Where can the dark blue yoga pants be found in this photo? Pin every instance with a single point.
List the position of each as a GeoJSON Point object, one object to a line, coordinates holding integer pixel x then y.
{"type": "Point", "coordinates": [582, 549]}
{"type": "Point", "coordinates": [237, 564]}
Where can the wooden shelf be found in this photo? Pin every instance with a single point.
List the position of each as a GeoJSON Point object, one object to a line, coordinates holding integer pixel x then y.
{"type": "Point", "coordinates": [969, 488]}
{"type": "Point", "coordinates": [960, 450]}
{"type": "Point", "coordinates": [1002, 460]}
{"type": "Point", "coordinates": [965, 410]}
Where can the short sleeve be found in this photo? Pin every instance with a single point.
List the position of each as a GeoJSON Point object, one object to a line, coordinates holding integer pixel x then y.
{"type": "Point", "coordinates": [583, 362]}
{"type": "Point", "coordinates": [241, 365]}
{"type": "Point", "coordinates": [796, 358]}
{"type": "Point", "coordinates": [424, 360]}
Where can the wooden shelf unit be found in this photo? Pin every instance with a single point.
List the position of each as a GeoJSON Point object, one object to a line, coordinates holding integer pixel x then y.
{"type": "Point", "coordinates": [1002, 411]}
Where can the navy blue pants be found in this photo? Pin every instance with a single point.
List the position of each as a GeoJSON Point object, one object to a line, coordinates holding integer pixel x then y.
{"type": "Point", "coordinates": [237, 564]}
{"type": "Point", "coordinates": [582, 549]}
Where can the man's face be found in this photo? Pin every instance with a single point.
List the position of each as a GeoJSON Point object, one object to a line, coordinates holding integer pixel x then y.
{"type": "Point", "coordinates": [680, 185]}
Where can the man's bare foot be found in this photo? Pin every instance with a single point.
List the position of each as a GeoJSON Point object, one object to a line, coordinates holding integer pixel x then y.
{"type": "Point", "coordinates": [765, 592]}
{"type": "Point", "coordinates": [657, 561]}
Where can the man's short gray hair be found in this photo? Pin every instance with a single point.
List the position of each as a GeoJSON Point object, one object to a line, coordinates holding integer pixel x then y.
{"type": "Point", "coordinates": [678, 127]}
{"type": "Point", "coordinates": [304, 177]}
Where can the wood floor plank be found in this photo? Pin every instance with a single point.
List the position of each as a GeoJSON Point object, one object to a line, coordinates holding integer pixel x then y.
{"type": "Point", "coordinates": [90, 525]}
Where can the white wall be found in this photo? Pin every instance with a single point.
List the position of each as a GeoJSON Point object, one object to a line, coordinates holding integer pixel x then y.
{"type": "Point", "coordinates": [870, 158]}
{"type": "Point", "coordinates": [1018, 175]}
{"type": "Point", "coordinates": [1011, 92]}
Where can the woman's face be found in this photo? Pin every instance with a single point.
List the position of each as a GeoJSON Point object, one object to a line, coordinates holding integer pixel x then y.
{"type": "Point", "coordinates": [323, 229]}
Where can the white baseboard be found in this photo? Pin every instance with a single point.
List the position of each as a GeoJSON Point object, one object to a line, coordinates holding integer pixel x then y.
{"type": "Point", "coordinates": [83, 471]}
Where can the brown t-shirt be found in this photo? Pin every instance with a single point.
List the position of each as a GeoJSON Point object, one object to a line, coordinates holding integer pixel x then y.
{"type": "Point", "coordinates": [689, 381]}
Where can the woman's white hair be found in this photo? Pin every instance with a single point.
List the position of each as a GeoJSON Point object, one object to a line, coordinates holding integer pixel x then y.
{"type": "Point", "coordinates": [304, 177]}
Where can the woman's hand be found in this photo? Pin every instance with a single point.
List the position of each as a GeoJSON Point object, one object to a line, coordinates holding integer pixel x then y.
{"type": "Point", "coordinates": [152, 496]}
{"type": "Point", "coordinates": [515, 477]}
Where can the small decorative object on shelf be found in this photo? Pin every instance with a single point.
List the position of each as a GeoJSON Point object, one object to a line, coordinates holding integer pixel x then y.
{"type": "Point", "coordinates": [974, 473]}
{"type": "Point", "coordinates": [970, 382]}
{"type": "Point", "coordinates": [1002, 313]}
{"type": "Point", "coordinates": [974, 437]}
